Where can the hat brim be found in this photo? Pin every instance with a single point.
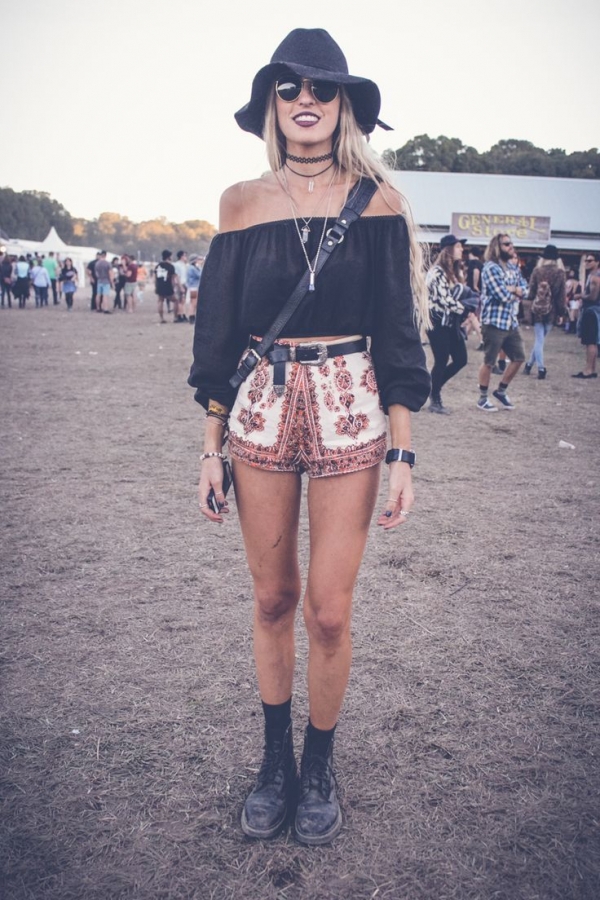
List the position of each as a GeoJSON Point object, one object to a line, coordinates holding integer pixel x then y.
{"type": "Point", "coordinates": [363, 94]}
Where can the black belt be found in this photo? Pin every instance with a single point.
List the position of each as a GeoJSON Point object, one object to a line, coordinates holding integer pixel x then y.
{"type": "Point", "coordinates": [309, 354]}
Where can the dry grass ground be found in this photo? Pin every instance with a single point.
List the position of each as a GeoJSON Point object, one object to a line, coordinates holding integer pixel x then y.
{"type": "Point", "coordinates": [468, 747]}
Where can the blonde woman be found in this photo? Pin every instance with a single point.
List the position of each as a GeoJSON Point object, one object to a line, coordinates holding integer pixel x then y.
{"type": "Point", "coordinates": [328, 416]}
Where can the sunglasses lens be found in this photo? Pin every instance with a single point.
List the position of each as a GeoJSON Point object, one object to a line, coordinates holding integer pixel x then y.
{"type": "Point", "coordinates": [288, 89]}
{"type": "Point", "coordinates": [324, 91]}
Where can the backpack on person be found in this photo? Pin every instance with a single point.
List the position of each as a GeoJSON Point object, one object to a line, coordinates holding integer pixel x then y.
{"type": "Point", "coordinates": [542, 302]}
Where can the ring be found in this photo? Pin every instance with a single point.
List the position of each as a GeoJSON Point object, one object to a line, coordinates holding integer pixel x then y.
{"type": "Point", "coordinates": [219, 492]}
{"type": "Point", "coordinates": [404, 512]}
{"type": "Point", "coordinates": [203, 505]}
{"type": "Point", "coordinates": [391, 500]}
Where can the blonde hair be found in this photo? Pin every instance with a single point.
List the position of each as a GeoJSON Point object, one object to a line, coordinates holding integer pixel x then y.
{"type": "Point", "coordinates": [357, 160]}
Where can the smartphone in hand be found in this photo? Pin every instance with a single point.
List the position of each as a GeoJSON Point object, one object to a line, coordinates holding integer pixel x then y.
{"type": "Point", "coordinates": [212, 501]}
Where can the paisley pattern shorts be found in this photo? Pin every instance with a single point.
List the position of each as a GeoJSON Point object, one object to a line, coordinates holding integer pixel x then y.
{"type": "Point", "coordinates": [329, 420]}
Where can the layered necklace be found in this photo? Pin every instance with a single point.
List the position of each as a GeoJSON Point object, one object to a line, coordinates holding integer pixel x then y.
{"type": "Point", "coordinates": [305, 230]}
{"type": "Point", "coordinates": [308, 160]}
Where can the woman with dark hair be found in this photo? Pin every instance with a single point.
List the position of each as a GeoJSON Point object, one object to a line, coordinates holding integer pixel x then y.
{"type": "Point", "coordinates": [316, 401]}
{"type": "Point", "coordinates": [446, 337]}
{"type": "Point", "coordinates": [68, 279]}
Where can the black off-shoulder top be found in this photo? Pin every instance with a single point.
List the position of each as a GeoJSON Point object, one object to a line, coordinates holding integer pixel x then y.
{"type": "Point", "coordinates": [364, 289]}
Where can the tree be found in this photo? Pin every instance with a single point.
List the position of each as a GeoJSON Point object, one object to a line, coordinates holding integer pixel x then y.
{"type": "Point", "coordinates": [508, 157]}
{"type": "Point", "coordinates": [30, 215]}
{"type": "Point", "coordinates": [441, 154]}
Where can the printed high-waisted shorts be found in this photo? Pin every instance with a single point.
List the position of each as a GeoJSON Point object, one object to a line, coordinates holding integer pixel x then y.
{"type": "Point", "coordinates": [328, 421]}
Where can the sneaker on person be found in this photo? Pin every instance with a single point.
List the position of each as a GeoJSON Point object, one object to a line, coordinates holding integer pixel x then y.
{"type": "Point", "coordinates": [484, 404]}
{"type": "Point", "coordinates": [503, 399]}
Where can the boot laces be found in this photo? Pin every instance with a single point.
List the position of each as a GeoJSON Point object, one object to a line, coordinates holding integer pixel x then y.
{"type": "Point", "coordinates": [317, 774]}
{"type": "Point", "coordinates": [272, 766]}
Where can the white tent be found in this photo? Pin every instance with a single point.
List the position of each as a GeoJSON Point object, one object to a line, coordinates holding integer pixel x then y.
{"type": "Point", "coordinates": [53, 243]}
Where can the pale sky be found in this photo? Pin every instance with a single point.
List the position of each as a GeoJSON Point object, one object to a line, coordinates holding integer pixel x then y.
{"type": "Point", "coordinates": [127, 105]}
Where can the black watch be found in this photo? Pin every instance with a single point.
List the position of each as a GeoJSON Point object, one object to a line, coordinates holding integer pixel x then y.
{"type": "Point", "coordinates": [406, 456]}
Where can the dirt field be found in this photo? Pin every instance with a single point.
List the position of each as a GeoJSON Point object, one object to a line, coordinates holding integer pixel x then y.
{"type": "Point", "coordinates": [467, 752]}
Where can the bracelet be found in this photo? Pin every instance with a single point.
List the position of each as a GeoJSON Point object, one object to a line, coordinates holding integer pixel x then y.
{"type": "Point", "coordinates": [215, 453]}
{"type": "Point", "coordinates": [214, 407]}
{"type": "Point", "coordinates": [222, 420]}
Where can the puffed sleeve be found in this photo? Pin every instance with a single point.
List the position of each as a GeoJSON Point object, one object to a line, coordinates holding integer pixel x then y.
{"type": "Point", "coordinates": [218, 339]}
{"type": "Point", "coordinates": [396, 347]}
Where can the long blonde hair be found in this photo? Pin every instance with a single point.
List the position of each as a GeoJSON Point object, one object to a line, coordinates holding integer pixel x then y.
{"type": "Point", "coordinates": [357, 160]}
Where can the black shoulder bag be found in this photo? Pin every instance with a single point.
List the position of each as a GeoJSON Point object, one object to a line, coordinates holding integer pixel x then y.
{"type": "Point", "coordinates": [357, 203]}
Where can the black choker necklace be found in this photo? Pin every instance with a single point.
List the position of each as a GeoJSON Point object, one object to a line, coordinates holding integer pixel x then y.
{"type": "Point", "coordinates": [309, 159]}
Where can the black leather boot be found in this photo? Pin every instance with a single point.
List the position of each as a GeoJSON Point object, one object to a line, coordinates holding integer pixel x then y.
{"type": "Point", "coordinates": [318, 815]}
{"type": "Point", "coordinates": [268, 806]}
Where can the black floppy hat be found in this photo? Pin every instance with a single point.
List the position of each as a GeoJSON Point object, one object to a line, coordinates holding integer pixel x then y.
{"type": "Point", "coordinates": [311, 53]}
{"type": "Point", "coordinates": [449, 240]}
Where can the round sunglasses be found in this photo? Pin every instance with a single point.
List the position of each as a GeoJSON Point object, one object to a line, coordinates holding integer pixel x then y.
{"type": "Point", "coordinates": [289, 89]}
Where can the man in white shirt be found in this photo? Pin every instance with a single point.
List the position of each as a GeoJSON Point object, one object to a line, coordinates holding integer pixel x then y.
{"type": "Point", "coordinates": [181, 268]}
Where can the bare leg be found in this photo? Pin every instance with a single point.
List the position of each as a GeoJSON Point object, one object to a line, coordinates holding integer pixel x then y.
{"type": "Point", "coordinates": [340, 511]}
{"type": "Point", "coordinates": [511, 371]}
{"type": "Point", "coordinates": [485, 373]}
{"type": "Point", "coordinates": [269, 505]}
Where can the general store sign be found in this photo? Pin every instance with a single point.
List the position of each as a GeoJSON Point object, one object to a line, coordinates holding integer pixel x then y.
{"type": "Point", "coordinates": [483, 227]}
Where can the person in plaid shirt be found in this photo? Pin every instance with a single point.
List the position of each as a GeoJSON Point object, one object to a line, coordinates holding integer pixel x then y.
{"type": "Point", "coordinates": [502, 288]}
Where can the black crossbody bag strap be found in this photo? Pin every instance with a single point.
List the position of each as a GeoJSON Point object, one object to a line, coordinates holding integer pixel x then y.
{"type": "Point", "coordinates": [357, 203]}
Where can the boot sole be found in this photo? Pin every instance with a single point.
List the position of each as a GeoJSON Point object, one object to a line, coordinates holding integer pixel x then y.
{"type": "Point", "coordinates": [315, 840]}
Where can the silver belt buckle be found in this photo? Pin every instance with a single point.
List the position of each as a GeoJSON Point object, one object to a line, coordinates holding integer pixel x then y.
{"type": "Point", "coordinates": [321, 351]}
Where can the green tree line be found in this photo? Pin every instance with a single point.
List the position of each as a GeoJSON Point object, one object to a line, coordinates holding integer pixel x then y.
{"type": "Point", "coordinates": [29, 215]}
{"type": "Point", "coordinates": [510, 157]}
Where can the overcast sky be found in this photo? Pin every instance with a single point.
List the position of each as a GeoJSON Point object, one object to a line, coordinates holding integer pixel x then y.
{"type": "Point", "coordinates": [127, 105]}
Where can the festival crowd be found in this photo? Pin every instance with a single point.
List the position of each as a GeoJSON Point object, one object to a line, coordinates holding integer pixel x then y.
{"type": "Point", "coordinates": [490, 299]}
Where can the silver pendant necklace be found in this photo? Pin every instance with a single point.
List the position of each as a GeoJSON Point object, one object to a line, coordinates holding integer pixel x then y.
{"type": "Point", "coordinates": [305, 230]}
{"type": "Point", "coordinates": [303, 233]}
{"type": "Point", "coordinates": [311, 182]}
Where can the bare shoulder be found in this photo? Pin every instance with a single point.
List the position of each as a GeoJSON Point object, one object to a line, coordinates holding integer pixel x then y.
{"type": "Point", "coordinates": [386, 201]}
{"type": "Point", "coordinates": [244, 202]}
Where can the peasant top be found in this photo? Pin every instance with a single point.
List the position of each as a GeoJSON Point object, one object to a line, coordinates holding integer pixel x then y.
{"type": "Point", "coordinates": [364, 288]}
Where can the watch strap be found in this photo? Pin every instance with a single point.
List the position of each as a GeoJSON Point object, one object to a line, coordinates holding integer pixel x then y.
{"type": "Point", "coordinates": [398, 455]}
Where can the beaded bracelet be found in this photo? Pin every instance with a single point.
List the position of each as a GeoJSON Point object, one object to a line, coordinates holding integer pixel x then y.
{"type": "Point", "coordinates": [215, 453]}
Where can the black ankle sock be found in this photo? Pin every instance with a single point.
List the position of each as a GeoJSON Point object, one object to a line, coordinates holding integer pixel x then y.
{"type": "Point", "coordinates": [502, 387]}
{"type": "Point", "coordinates": [483, 390]}
{"type": "Point", "coordinates": [317, 740]}
{"type": "Point", "coordinates": [277, 717]}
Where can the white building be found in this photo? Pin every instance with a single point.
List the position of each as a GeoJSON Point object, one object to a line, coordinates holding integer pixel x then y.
{"type": "Point", "coordinates": [535, 211]}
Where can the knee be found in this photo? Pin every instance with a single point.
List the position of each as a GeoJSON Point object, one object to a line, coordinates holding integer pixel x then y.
{"type": "Point", "coordinates": [328, 624]}
{"type": "Point", "coordinates": [273, 605]}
